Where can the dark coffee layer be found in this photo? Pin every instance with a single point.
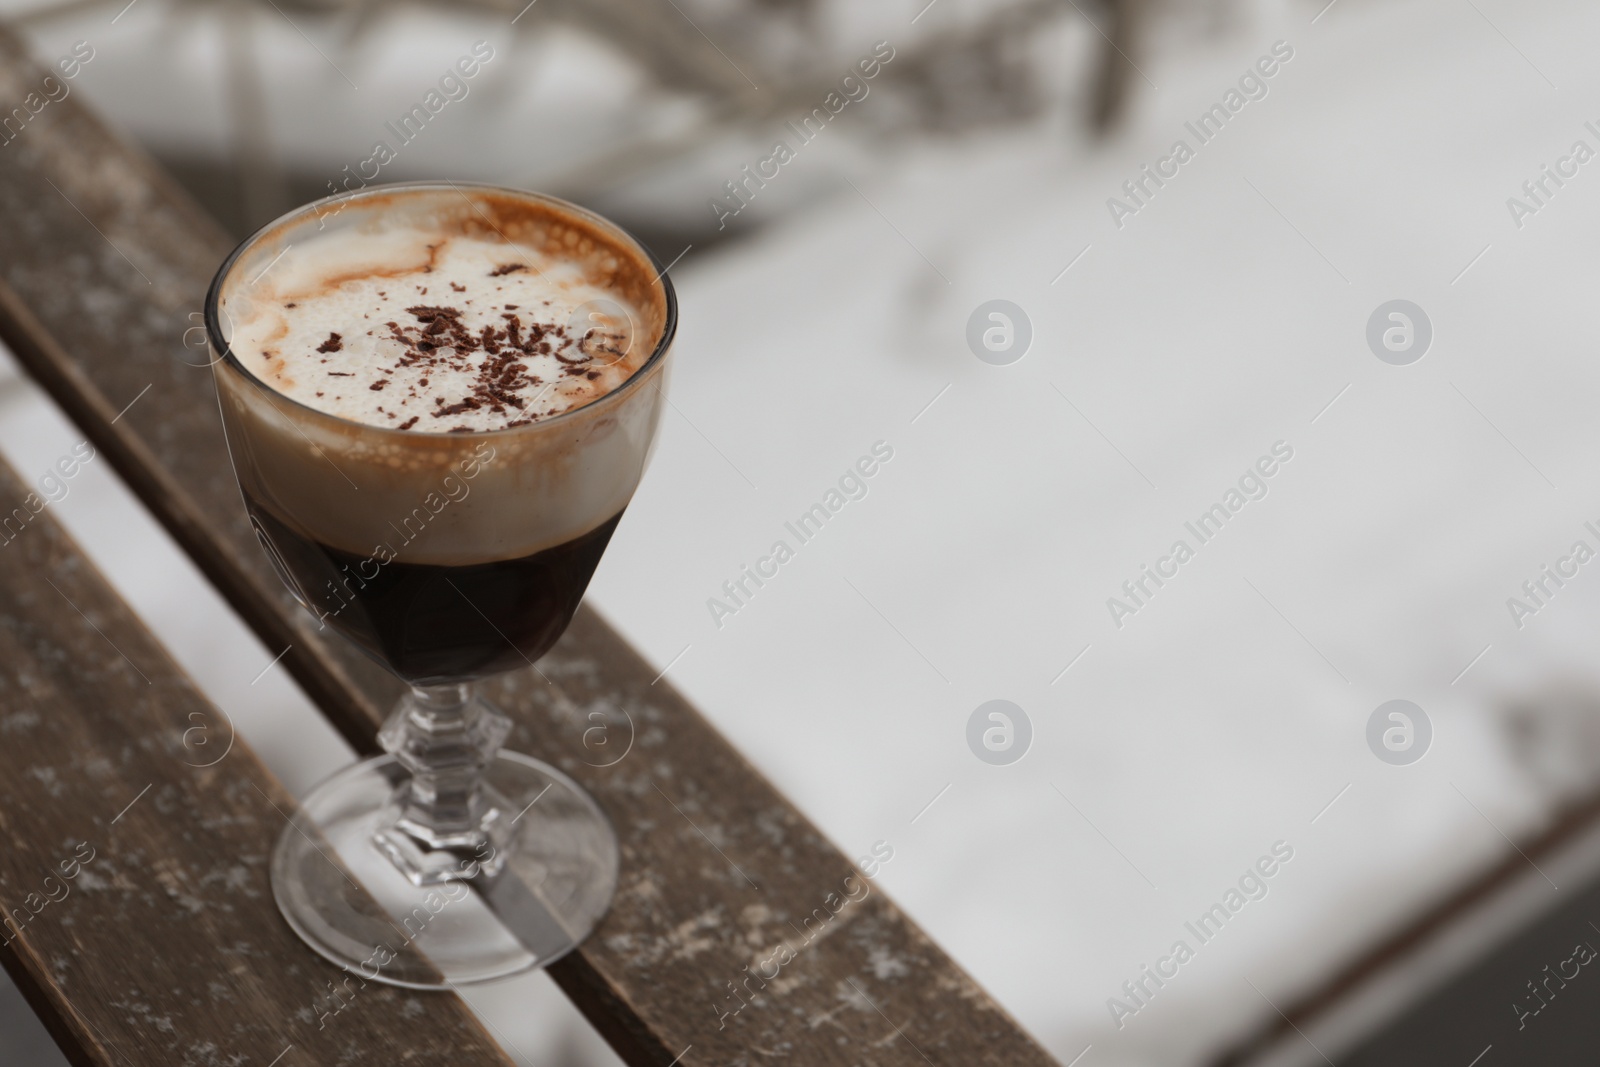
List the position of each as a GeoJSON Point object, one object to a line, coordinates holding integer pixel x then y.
{"type": "Point", "coordinates": [431, 624]}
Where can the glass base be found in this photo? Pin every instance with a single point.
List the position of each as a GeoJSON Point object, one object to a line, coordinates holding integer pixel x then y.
{"type": "Point", "coordinates": [521, 905]}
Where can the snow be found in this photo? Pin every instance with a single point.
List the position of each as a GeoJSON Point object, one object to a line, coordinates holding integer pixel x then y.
{"type": "Point", "coordinates": [1225, 715]}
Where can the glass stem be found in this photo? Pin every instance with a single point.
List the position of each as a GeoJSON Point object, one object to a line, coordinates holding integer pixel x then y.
{"type": "Point", "coordinates": [445, 736]}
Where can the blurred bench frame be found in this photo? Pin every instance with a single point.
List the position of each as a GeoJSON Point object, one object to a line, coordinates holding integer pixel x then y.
{"type": "Point", "coordinates": [103, 266]}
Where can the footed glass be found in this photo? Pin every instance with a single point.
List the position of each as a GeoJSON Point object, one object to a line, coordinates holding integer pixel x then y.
{"type": "Point", "coordinates": [446, 860]}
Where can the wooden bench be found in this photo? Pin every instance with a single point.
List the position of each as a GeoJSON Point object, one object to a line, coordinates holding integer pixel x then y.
{"type": "Point", "coordinates": [162, 945]}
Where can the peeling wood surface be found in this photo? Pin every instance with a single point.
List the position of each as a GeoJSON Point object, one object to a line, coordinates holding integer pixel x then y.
{"type": "Point", "coordinates": [103, 266]}
{"type": "Point", "coordinates": [138, 918]}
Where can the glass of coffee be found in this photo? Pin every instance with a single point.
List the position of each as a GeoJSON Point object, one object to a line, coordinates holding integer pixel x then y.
{"type": "Point", "coordinates": [439, 399]}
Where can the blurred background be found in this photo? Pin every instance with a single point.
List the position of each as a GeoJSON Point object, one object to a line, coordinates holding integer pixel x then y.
{"type": "Point", "coordinates": [1215, 317]}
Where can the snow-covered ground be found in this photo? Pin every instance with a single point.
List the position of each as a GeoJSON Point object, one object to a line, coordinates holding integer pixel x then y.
{"type": "Point", "coordinates": [1225, 319]}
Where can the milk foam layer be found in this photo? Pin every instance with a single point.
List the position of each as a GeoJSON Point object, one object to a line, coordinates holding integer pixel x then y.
{"type": "Point", "coordinates": [414, 327]}
{"type": "Point", "coordinates": [527, 478]}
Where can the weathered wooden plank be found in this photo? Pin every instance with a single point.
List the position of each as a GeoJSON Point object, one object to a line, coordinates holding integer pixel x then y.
{"type": "Point", "coordinates": [135, 910]}
{"type": "Point", "coordinates": [101, 263]}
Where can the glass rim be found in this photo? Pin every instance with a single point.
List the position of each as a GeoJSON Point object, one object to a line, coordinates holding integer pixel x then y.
{"type": "Point", "coordinates": [213, 324]}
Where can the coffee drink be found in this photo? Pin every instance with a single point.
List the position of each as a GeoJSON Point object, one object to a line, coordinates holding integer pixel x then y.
{"type": "Point", "coordinates": [440, 400]}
